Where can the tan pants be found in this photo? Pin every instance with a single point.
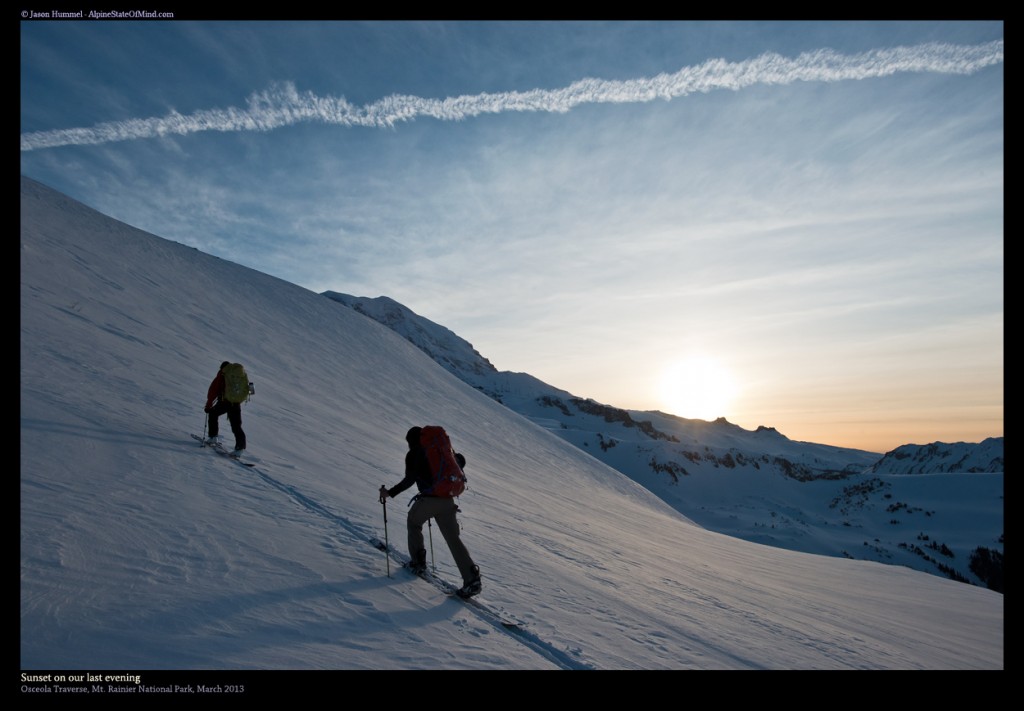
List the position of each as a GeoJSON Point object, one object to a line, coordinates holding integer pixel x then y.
{"type": "Point", "coordinates": [442, 510]}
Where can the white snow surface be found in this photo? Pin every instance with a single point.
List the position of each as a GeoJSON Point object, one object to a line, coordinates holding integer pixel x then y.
{"type": "Point", "coordinates": [140, 550]}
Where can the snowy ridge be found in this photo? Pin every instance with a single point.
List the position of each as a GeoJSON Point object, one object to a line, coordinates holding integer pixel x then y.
{"type": "Point", "coordinates": [986, 456]}
{"type": "Point", "coordinates": [450, 351]}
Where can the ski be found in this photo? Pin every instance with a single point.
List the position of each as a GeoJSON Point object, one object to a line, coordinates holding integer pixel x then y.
{"type": "Point", "coordinates": [497, 618]}
{"type": "Point", "coordinates": [449, 589]}
{"type": "Point", "coordinates": [222, 452]}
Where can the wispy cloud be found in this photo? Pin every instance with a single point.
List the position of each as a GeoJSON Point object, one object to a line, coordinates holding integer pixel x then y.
{"type": "Point", "coordinates": [283, 105]}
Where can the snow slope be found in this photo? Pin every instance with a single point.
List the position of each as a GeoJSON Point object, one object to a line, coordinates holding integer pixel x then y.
{"type": "Point", "coordinates": [140, 550]}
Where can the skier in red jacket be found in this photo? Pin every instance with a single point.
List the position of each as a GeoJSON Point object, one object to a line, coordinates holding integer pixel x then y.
{"type": "Point", "coordinates": [217, 405]}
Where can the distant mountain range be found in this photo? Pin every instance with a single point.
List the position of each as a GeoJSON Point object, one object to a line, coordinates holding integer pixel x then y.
{"type": "Point", "coordinates": [986, 456]}
{"type": "Point", "coordinates": [759, 485]}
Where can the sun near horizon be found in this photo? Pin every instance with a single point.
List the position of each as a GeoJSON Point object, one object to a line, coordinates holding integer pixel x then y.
{"type": "Point", "coordinates": [698, 387]}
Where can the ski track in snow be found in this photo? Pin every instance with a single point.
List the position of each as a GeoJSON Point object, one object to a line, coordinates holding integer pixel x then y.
{"type": "Point", "coordinates": [518, 632]}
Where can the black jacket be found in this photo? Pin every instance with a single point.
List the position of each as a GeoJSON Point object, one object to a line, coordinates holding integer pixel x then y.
{"type": "Point", "coordinates": [417, 471]}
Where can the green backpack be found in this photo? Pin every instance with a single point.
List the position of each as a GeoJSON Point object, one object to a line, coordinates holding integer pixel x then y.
{"type": "Point", "coordinates": [237, 387]}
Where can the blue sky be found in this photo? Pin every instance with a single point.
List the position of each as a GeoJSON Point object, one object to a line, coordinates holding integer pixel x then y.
{"type": "Point", "coordinates": [807, 217]}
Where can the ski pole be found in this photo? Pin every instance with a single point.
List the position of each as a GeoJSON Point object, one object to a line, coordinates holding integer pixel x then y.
{"type": "Point", "coordinates": [430, 535]}
{"type": "Point", "coordinates": [384, 505]}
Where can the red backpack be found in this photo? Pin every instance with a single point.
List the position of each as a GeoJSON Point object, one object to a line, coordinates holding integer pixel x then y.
{"type": "Point", "coordinates": [449, 479]}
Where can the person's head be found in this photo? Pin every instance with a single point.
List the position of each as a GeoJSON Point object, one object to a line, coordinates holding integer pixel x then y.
{"type": "Point", "coordinates": [413, 436]}
{"type": "Point", "coordinates": [461, 460]}
{"type": "Point", "coordinates": [224, 364]}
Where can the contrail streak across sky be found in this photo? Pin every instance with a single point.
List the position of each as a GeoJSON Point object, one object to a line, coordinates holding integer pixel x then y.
{"type": "Point", "coordinates": [283, 105]}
